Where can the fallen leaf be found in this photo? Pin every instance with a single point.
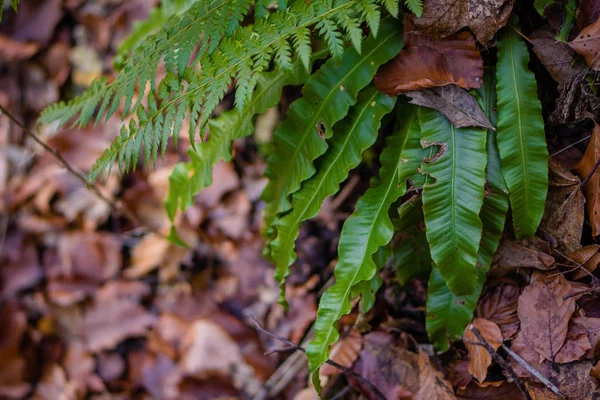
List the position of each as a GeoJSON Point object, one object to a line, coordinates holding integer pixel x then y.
{"type": "Point", "coordinates": [512, 255]}
{"type": "Point", "coordinates": [500, 307]}
{"type": "Point", "coordinates": [557, 57]}
{"type": "Point", "coordinates": [385, 363]}
{"type": "Point", "coordinates": [474, 391]}
{"type": "Point", "coordinates": [587, 44]}
{"type": "Point", "coordinates": [13, 367]}
{"type": "Point", "coordinates": [116, 315]}
{"type": "Point", "coordinates": [586, 257]}
{"type": "Point", "coordinates": [564, 213]}
{"type": "Point", "coordinates": [14, 50]}
{"type": "Point", "coordinates": [37, 20]}
{"type": "Point", "coordinates": [572, 379]}
{"type": "Point", "coordinates": [592, 326]}
{"type": "Point", "coordinates": [523, 348]}
{"type": "Point", "coordinates": [587, 13]}
{"type": "Point", "coordinates": [576, 344]}
{"type": "Point", "coordinates": [592, 188]}
{"type": "Point", "coordinates": [455, 103]}
{"type": "Point", "coordinates": [344, 352]}
{"type": "Point", "coordinates": [425, 62]}
{"type": "Point", "coordinates": [441, 18]}
{"type": "Point", "coordinates": [55, 385]}
{"type": "Point", "coordinates": [544, 314]}
{"type": "Point", "coordinates": [479, 358]}
{"type": "Point", "coordinates": [432, 382]}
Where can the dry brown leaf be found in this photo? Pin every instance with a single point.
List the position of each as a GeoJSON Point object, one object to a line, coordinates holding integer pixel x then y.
{"type": "Point", "coordinates": [572, 379]}
{"type": "Point", "coordinates": [545, 314]}
{"type": "Point", "coordinates": [592, 326]}
{"type": "Point", "coordinates": [14, 50]}
{"type": "Point", "coordinates": [433, 386]}
{"type": "Point", "coordinates": [426, 62]}
{"type": "Point", "coordinates": [586, 257]}
{"type": "Point", "coordinates": [587, 44]}
{"type": "Point", "coordinates": [344, 352]}
{"type": "Point", "coordinates": [474, 391]}
{"type": "Point", "coordinates": [523, 348]}
{"type": "Point", "coordinates": [500, 307]}
{"type": "Point", "coordinates": [442, 18]}
{"type": "Point", "coordinates": [479, 358]}
{"type": "Point", "coordinates": [512, 255]}
{"type": "Point", "coordinates": [576, 344]}
{"type": "Point", "coordinates": [455, 103]}
{"type": "Point", "coordinates": [556, 56]}
{"type": "Point", "coordinates": [592, 188]}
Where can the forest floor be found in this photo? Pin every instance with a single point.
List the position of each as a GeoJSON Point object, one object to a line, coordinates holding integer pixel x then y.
{"type": "Point", "coordinates": [95, 303]}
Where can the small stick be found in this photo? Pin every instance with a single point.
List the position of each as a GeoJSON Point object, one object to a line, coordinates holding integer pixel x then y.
{"type": "Point", "coordinates": [592, 172]}
{"type": "Point", "coordinates": [291, 345]}
{"type": "Point", "coordinates": [569, 146]}
{"type": "Point", "coordinates": [501, 361]}
{"type": "Point", "coordinates": [533, 372]}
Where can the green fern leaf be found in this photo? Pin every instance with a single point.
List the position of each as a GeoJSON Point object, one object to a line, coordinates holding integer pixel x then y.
{"type": "Point", "coordinates": [367, 290]}
{"type": "Point", "coordinates": [393, 7]}
{"type": "Point", "coordinates": [327, 96]}
{"type": "Point", "coordinates": [368, 229]}
{"type": "Point", "coordinates": [351, 137]}
{"type": "Point", "coordinates": [187, 179]}
{"type": "Point", "coordinates": [451, 203]}
{"type": "Point", "coordinates": [521, 138]}
{"type": "Point", "coordinates": [448, 314]}
{"type": "Point", "coordinates": [415, 6]}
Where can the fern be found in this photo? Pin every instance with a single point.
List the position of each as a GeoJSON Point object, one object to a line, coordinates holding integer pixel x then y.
{"type": "Point", "coordinates": [451, 202]}
{"type": "Point", "coordinates": [227, 53]}
{"type": "Point", "coordinates": [415, 6]}
{"type": "Point", "coordinates": [13, 3]}
{"type": "Point", "coordinates": [351, 137]}
{"type": "Point", "coordinates": [368, 229]}
{"type": "Point", "coordinates": [448, 314]}
{"type": "Point", "coordinates": [521, 138]}
{"type": "Point", "coordinates": [327, 96]}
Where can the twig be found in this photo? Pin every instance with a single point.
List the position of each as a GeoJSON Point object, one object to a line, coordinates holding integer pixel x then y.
{"type": "Point", "coordinates": [533, 372]}
{"type": "Point", "coordinates": [115, 207]}
{"type": "Point", "coordinates": [291, 345]}
{"type": "Point", "coordinates": [592, 172]}
{"type": "Point", "coordinates": [569, 146]}
{"type": "Point", "coordinates": [501, 361]}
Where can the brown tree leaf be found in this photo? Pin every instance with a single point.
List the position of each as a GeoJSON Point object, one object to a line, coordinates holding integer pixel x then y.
{"type": "Point", "coordinates": [426, 62]}
{"type": "Point", "coordinates": [523, 348]}
{"type": "Point", "coordinates": [587, 44]}
{"type": "Point", "coordinates": [512, 255]}
{"type": "Point", "coordinates": [576, 344]}
{"type": "Point", "coordinates": [545, 314]}
{"type": "Point", "coordinates": [592, 187]}
{"type": "Point", "coordinates": [500, 307]}
{"type": "Point", "coordinates": [344, 352]}
{"type": "Point", "coordinates": [479, 358]}
{"type": "Point", "coordinates": [564, 216]}
{"type": "Point", "coordinates": [586, 257]}
{"type": "Point", "coordinates": [556, 56]}
{"type": "Point", "coordinates": [572, 379]}
{"type": "Point", "coordinates": [432, 382]}
{"type": "Point", "coordinates": [455, 103]}
{"type": "Point", "coordinates": [441, 18]}
{"type": "Point", "coordinates": [474, 391]}
{"type": "Point", "coordinates": [592, 326]}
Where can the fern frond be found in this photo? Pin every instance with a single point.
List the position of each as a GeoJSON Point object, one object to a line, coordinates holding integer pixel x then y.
{"type": "Point", "coordinates": [451, 202]}
{"type": "Point", "coordinates": [187, 179]}
{"type": "Point", "coordinates": [415, 6]}
{"type": "Point", "coordinates": [448, 314]}
{"type": "Point", "coordinates": [225, 53]}
{"type": "Point", "coordinates": [521, 137]}
{"type": "Point", "coordinates": [368, 229]}
{"type": "Point", "coordinates": [327, 96]}
{"type": "Point", "coordinates": [351, 137]}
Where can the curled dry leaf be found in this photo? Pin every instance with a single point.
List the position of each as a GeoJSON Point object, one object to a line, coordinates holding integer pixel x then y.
{"type": "Point", "coordinates": [455, 103]}
{"type": "Point", "coordinates": [587, 44]}
{"type": "Point", "coordinates": [479, 358]}
{"type": "Point", "coordinates": [545, 314]}
{"type": "Point", "coordinates": [592, 188]}
{"type": "Point", "coordinates": [426, 62]}
{"type": "Point", "coordinates": [512, 255]}
{"type": "Point", "coordinates": [441, 18]}
{"type": "Point", "coordinates": [500, 307]}
{"type": "Point", "coordinates": [586, 258]}
{"type": "Point", "coordinates": [432, 382]}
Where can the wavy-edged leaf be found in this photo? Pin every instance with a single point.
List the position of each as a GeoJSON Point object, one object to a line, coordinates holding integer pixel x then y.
{"type": "Point", "coordinates": [327, 96]}
{"type": "Point", "coordinates": [521, 138]}
{"type": "Point", "coordinates": [351, 137]}
{"type": "Point", "coordinates": [187, 179]}
{"type": "Point", "coordinates": [452, 200]}
{"type": "Point", "coordinates": [362, 235]}
{"type": "Point", "coordinates": [448, 314]}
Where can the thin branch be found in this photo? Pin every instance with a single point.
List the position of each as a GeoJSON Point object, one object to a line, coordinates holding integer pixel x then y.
{"type": "Point", "coordinates": [533, 372]}
{"type": "Point", "coordinates": [592, 172]}
{"type": "Point", "coordinates": [115, 207]}
{"type": "Point", "coordinates": [569, 146]}
{"type": "Point", "coordinates": [501, 361]}
{"type": "Point", "coordinates": [291, 345]}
